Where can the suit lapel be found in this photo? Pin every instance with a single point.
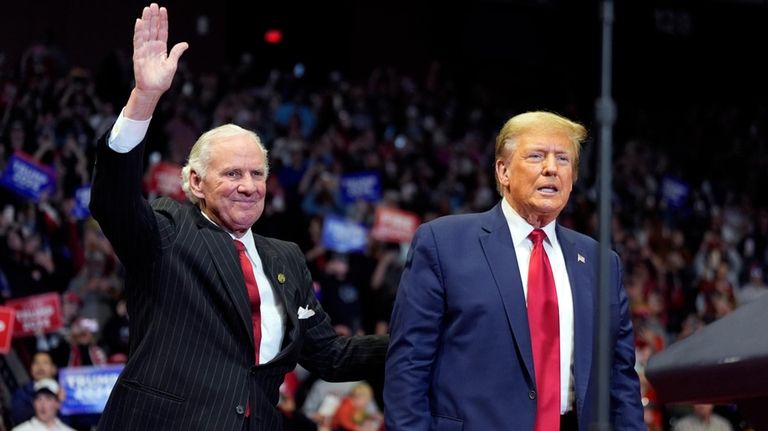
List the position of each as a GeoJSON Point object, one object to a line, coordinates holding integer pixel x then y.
{"type": "Point", "coordinates": [499, 251]}
{"type": "Point", "coordinates": [579, 265]}
{"type": "Point", "coordinates": [226, 261]}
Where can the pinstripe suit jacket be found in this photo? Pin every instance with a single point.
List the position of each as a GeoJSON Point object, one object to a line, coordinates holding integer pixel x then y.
{"type": "Point", "coordinates": [191, 349]}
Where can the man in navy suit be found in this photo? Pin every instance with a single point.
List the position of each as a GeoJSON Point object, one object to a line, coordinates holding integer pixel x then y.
{"type": "Point", "coordinates": [218, 314]}
{"type": "Point", "coordinates": [462, 350]}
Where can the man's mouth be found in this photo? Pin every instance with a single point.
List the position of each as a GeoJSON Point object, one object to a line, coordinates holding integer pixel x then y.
{"type": "Point", "coordinates": [547, 189]}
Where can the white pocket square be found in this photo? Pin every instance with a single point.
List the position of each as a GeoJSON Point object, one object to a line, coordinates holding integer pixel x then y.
{"type": "Point", "coordinates": [305, 313]}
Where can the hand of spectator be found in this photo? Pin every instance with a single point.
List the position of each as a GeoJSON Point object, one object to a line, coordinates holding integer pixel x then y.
{"type": "Point", "coordinates": [153, 66]}
{"type": "Point", "coordinates": [44, 258]}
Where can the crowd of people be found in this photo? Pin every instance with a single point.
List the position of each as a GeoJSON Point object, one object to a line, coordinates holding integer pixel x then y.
{"type": "Point", "coordinates": [694, 246]}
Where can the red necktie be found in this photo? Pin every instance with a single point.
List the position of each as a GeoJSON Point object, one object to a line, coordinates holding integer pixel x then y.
{"type": "Point", "coordinates": [253, 296]}
{"type": "Point", "coordinates": [544, 323]}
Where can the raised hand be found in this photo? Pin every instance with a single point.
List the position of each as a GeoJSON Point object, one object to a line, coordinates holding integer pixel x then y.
{"type": "Point", "coordinates": [153, 66]}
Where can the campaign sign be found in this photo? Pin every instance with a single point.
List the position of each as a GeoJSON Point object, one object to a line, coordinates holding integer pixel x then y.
{"type": "Point", "coordinates": [394, 225]}
{"type": "Point", "coordinates": [28, 178]}
{"type": "Point", "coordinates": [164, 179]}
{"type": "Point", "coordinates": [674, 191]}
{"type": "Point", "coordinates": [86, 389]}
{"type": "Point", "coordinates": [343, 236]}
{"type": "Point", "coordinates": [6, 328]}
{"type": "Point", "coordinates": [361, 186]}
{"type": "Point", "coordinates": [37, 314]}
{"type": "Point", "coordinates": [82, 198]}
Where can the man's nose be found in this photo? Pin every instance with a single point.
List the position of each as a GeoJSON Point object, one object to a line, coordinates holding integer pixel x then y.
{"type": "Point", "coordinates": [549, 165]}
{"type": "Point", "coordinates": [247, 185]}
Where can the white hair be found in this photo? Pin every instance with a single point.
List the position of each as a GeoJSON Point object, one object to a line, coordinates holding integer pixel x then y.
{"type": "Point", "coordinates": [200, 155]}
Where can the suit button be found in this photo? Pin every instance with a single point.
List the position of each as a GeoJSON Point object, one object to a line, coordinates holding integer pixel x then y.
{"type": "Point", "coordinates": [240, 410]}
{"type": "Point", "coordinates": [532, 395]}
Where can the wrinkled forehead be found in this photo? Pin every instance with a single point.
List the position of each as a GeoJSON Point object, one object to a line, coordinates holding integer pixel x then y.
{"type": "Point", "coordinates": [240, 149]}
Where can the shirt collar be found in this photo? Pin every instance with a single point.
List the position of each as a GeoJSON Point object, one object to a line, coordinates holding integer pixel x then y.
{"type": "Point", "coordinates": [521, 229]}
{"type": "Point", "coordinates": [246, 239]}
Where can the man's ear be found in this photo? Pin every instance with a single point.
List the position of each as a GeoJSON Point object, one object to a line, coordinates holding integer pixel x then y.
{"type": "Point", "coordinates": [502, 172]}
{"type": "Point", "coordinates": [195, 184]}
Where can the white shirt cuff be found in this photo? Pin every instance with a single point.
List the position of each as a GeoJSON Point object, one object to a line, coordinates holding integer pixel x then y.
{"type": "Point", "coordinates": [127, 134]}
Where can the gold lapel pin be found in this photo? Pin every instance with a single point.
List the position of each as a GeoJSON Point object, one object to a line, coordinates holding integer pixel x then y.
{"type": "Point", "coordinates": [280, 278]}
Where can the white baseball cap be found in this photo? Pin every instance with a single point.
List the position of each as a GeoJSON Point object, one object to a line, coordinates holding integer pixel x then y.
{"type": "Point", "coordinates": [48, 386]}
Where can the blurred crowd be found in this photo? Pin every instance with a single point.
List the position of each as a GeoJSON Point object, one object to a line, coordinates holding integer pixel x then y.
{"type": "Point", "coordinates": [693, 240]}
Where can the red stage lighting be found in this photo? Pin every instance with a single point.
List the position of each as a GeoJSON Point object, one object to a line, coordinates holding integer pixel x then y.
{"type": "Point", "coordinates": [273, 36]}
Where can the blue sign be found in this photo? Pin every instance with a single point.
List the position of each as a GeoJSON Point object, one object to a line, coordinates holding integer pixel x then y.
{"type": "Point", "coordinates": [86, 389]}
{"type": "Point", "coordinates": [364, 186]}
{"type": "Point", "coordinates": [674, 191]}
{"type": "Point", "coordinates": [343, 236]}
{"type": "Point", "coordinates": [27, 177]}
{"type": "Point", "coordinates": [82, 198]}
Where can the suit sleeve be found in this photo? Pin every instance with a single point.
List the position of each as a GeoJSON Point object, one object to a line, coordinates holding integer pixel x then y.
{"type": "Point", "coordinates": [626, 408]}
{"type": "Point", "coordinates": [332, 357]}
{"type": "Point", "coordinates": [118, 204]}
{"type": "Point", "coordinates": [414, 336]}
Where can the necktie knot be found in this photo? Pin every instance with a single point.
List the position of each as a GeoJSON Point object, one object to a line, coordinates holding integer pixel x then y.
{"type": "Point", "coordinates": [537, 236]}
{"type": "Point", "coordinates": [240, 246]}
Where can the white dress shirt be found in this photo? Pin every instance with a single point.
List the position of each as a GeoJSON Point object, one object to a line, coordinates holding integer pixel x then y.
{"type": "Point", "coordinates": [126, 135]}
{"type": "Point", "coordinates": [520, 229]}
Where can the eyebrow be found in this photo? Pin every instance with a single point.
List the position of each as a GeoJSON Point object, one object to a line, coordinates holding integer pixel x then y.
{"type": "Point", "coordinates": [240, 168]}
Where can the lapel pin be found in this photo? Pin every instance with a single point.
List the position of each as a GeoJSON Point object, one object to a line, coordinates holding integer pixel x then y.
{"type": "Point", "coordinates": [280, 278]}
{"type": "Point", "coordinates": [581, 258]}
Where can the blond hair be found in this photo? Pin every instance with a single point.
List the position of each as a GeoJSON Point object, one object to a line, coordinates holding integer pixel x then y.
{"type": "Point", "coordinates": [538, 121]}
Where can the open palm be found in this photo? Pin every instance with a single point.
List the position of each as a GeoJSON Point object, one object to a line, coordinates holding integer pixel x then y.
{"type": "Point", "coordinates": [153, 66]}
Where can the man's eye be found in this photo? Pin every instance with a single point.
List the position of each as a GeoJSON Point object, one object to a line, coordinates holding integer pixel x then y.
{"type": "Point", "coordinates": [232, 174]}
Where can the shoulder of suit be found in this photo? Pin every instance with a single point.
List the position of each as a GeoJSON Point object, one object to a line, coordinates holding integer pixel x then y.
{"type": "Point", "coordinates": [277, 244]}
{"type": "Point", "coordinates": [173, 214]}
{"type": "Point", "coordinates": [579, 239]}
{"type": "Point", "coordinates": [174, 208]}
{"type": "Point", "coordinates": [168, 204]}
{"type": "Point", "coordinates": [456, 220]}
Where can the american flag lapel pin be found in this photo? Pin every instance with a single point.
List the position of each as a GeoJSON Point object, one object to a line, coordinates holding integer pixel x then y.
{"type": "Point", "coordinates": [581, 258]}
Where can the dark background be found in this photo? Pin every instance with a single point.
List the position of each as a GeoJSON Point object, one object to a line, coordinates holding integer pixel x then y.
{"type": "Point", "coordinates": [689, 76]}
{"type": "Point", "coordinates": [677, 64]}
{"type": "Point", "coordinates": [671, 49]}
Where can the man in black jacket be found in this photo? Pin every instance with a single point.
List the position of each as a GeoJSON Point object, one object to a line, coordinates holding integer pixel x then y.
{"type": "Point", "coordinates": [218, 313]}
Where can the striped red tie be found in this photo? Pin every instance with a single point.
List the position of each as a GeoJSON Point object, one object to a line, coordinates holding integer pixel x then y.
{"type": "Point", "coordinates": [255, 300]}
{"type": "Point", "coordinates": [544, 323]}
{"type": "Point", "coordinates": [253, 296]}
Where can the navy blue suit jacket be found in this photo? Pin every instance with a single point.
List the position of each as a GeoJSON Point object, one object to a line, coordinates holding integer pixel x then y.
{"type": "Point", "coordinates": [460, 349]}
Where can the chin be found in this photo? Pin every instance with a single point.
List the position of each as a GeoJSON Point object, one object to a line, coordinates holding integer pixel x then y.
{"type": "Point", "coordinates": [550, 207]}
